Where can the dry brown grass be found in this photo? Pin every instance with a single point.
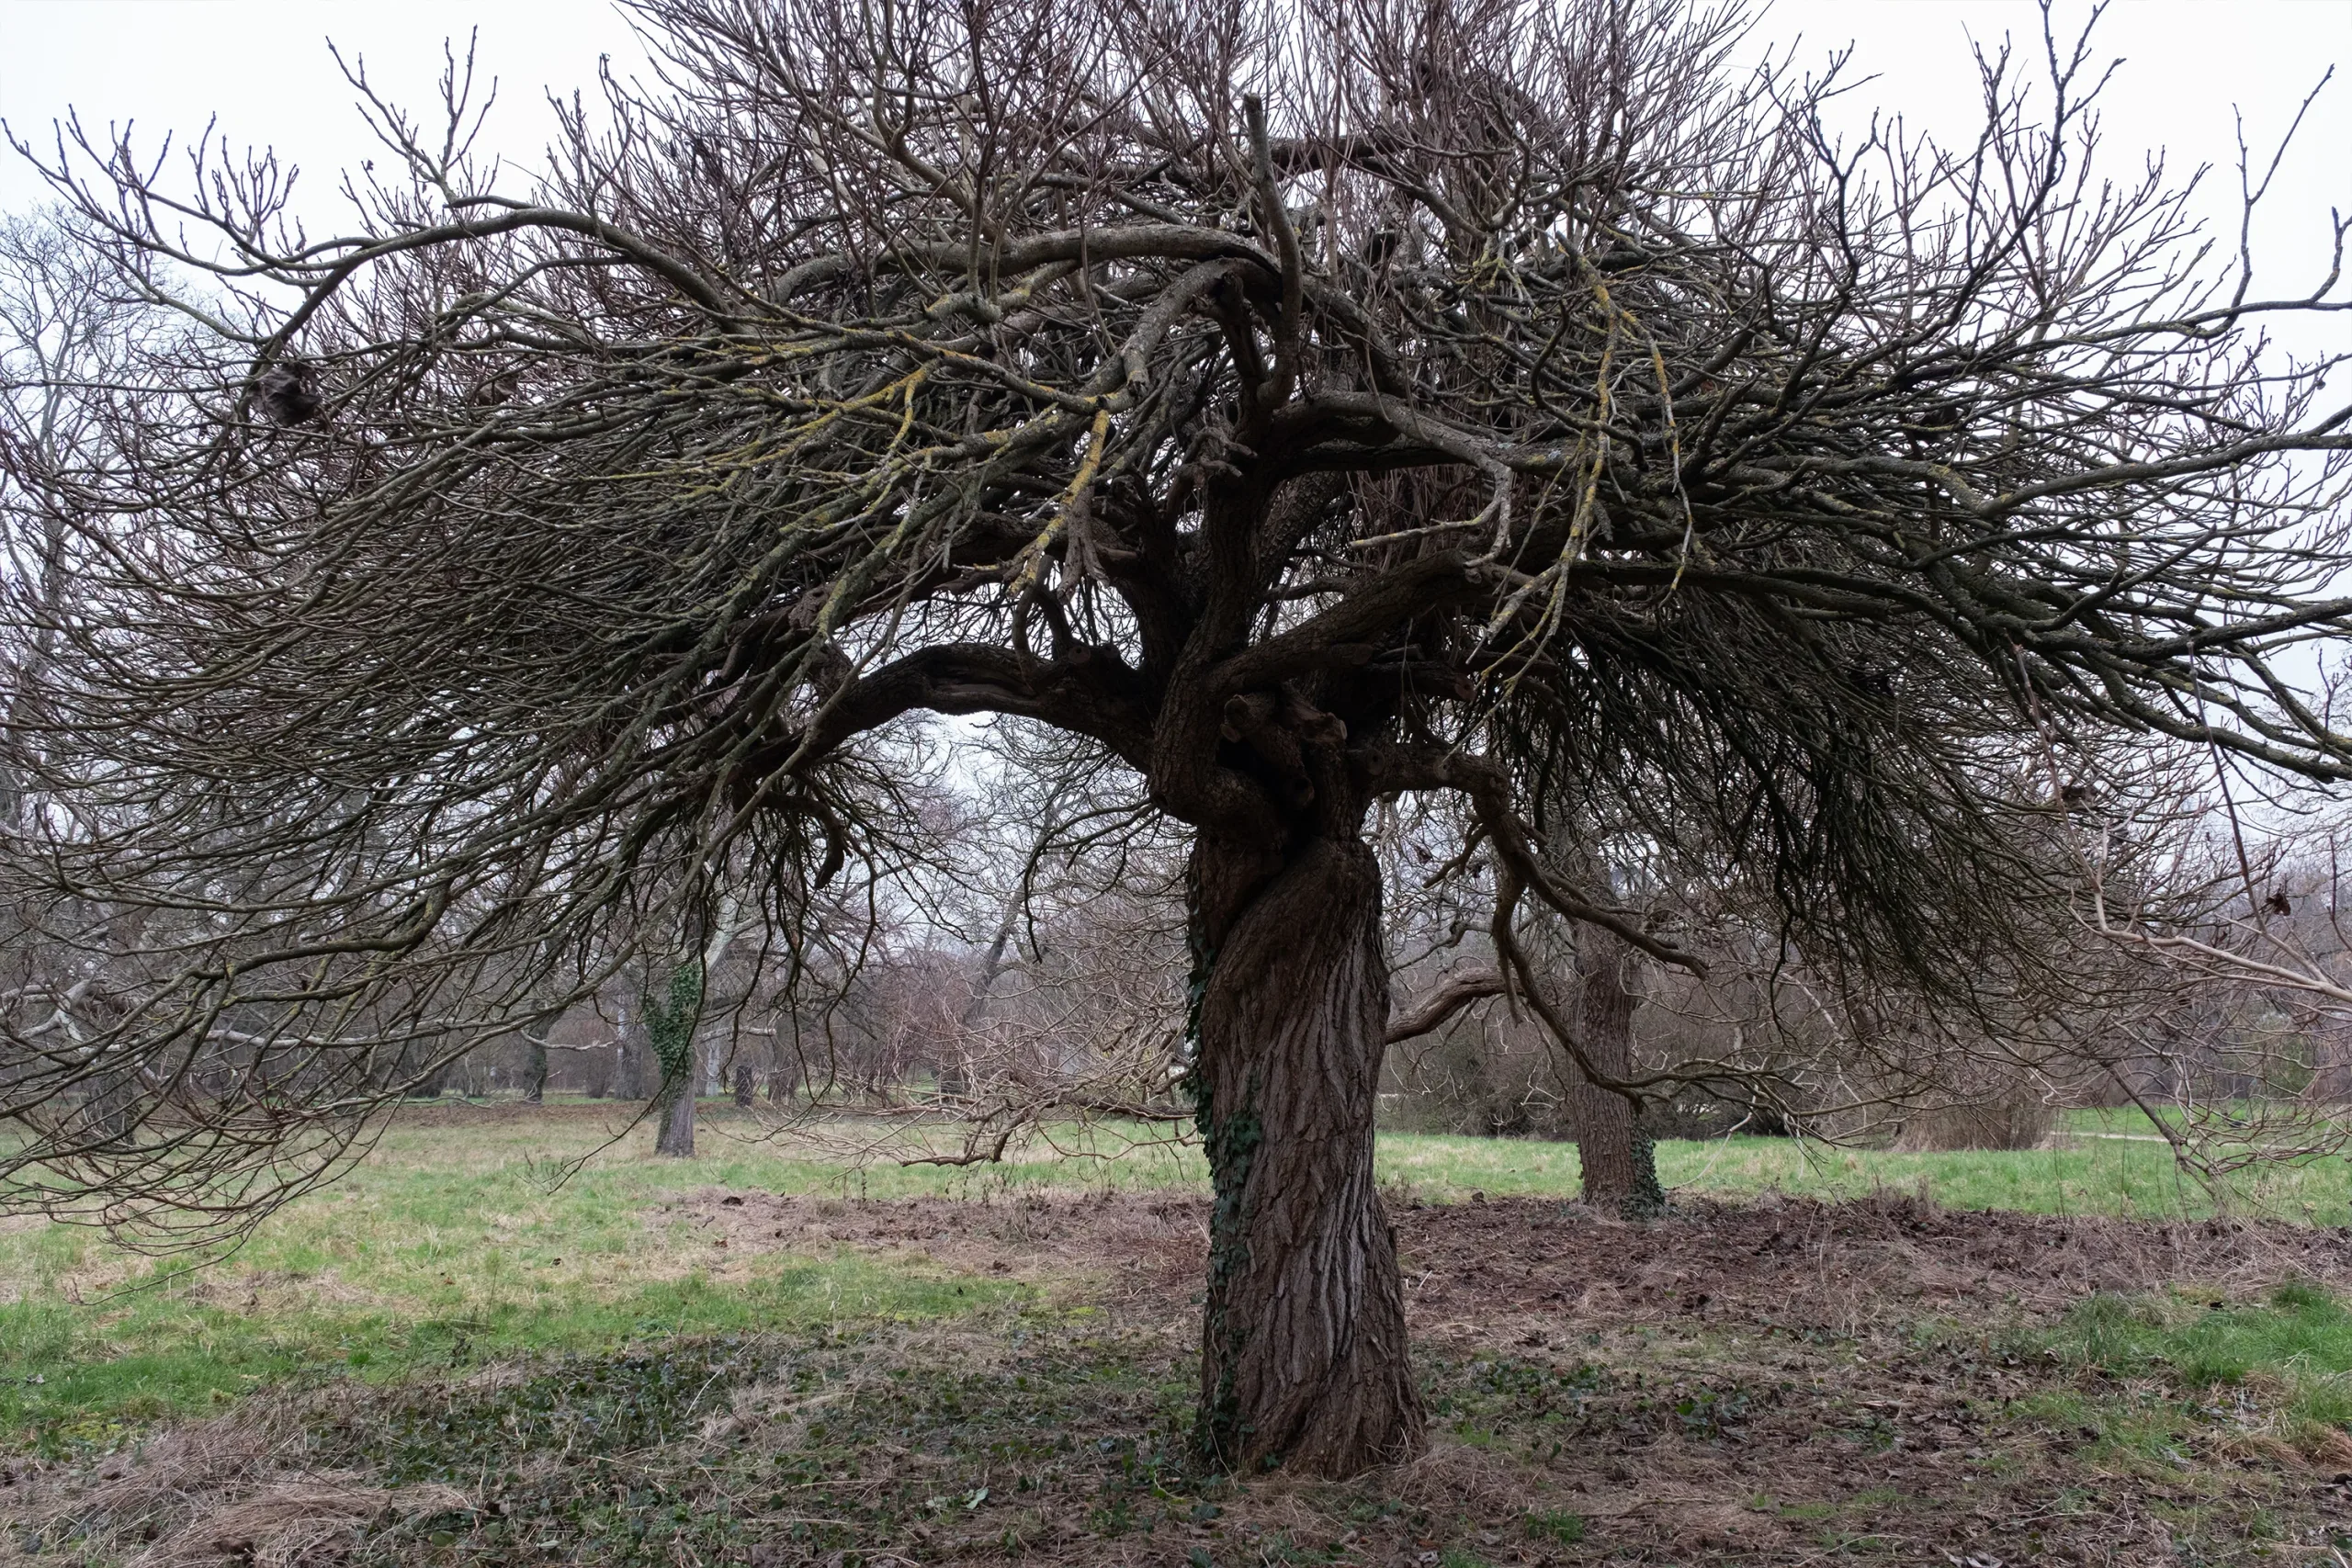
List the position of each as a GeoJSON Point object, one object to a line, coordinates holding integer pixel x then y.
{"type": "Point", "coordinates": [292, 1524]}
{"type": "Point", "coordinates": [226, 1491]}
{"type": "Point", "coordinates": [2018, 1119]}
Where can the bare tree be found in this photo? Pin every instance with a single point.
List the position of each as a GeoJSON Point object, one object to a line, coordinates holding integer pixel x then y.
{"type": "Point", "coordinates": [1306, 406]}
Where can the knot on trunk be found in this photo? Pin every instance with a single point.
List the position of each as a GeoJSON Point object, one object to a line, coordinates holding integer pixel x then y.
{"type": "Point", "coordinates": [1300, 745]}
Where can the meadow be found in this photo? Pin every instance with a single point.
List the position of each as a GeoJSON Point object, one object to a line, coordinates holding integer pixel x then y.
{"type": "Point", "coordinates": [601, 1290]}
{"type": "Point", "coordinates": [488, 1230]}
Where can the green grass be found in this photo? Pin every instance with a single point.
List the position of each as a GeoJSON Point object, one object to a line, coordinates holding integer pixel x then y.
{"type": "Point", "coordinates": [1555, 1525]}
{"type": "Point", "coordinates": [453, 1242]}
{"type": "Point", "coordinates": [2300, 1338]}
{"type": "Point", "coordinates": [447, 1246]}
{"type": "Point", "coordinates": [2130, 1180]}
{"type": "Point", "coordinates": [2113, 1176]}
{"type": "Point", "coordinates": [2110, 1119]}
{"type": "Point", "coordinates": [83, 1374]}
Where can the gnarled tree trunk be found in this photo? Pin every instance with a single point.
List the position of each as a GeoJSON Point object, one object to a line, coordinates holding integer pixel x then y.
{"type": "Point", "coordinates": [1303, 1359]}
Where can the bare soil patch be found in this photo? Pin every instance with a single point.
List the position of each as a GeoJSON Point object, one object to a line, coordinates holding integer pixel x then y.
{"type": "Point", "coordinates": [1752, 1382]}
{"type": "Point", "coordinates": [1793, 1263]}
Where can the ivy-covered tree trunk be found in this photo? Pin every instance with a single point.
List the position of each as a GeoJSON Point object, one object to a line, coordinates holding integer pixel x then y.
{"type": "Point", "coordinates": [1303, 1359]}
{"type": "Point", "coordinates": [534, 1074]}
{"type": "Point", "coordinates": [670, 1026]}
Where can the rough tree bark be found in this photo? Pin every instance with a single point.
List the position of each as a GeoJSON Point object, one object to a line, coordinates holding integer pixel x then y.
{"type": "Point", "coordinates": [1303, 1339]}
{"type": "Point", "coordinates": [534, 1074]}
{"type": "Point", "coordinates": [675, 1118]}
{"type": "Point", "coordinates": [1620, 1169]}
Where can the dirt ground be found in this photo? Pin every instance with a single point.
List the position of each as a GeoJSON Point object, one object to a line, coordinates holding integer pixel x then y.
{"type": "Point", "coordinates": [1792, 1263]}
{"type": "Point", "coordinates": [1777, 1382]}
{"type": "Point", "coordinates": [1781, 1382]}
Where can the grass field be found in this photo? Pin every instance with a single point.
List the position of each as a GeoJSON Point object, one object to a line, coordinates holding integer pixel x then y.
{"type": "Point", "coordinates": [456, 1240]}
{"type": "Point", "coordinates": [590, 1282]}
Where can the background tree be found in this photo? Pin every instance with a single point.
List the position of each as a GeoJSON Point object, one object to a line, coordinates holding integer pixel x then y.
{"type": "Point", "coordinates": [1306, 406]}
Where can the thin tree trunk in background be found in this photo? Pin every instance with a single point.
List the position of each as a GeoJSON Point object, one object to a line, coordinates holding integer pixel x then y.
{"type": "Point", "coordinates": [745, 1086]}
{"type": "Point", "coordinates": [1620, 1169]}
{"type": "Point", "coordinates": [630, 1053]}
{"type": "Point", "coordinates": [671, 1022]}
{"type": "Point", "coordinates": [1303, 1353]}
{"type": "Point", "coordinates": [953, 1080]}
{"type": "Point", "coordinates": [109, 1108]}
{"type": "Point", "coordinates": [680, 1014]}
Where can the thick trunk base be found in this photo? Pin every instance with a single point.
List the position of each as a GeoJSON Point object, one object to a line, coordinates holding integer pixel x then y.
{"type": "Point", "coordinates": [1303, 1356]}
{"type": "Point", "coordinates": [676, 1137]}
{"type": "Point", "coordinates": [1615, 1154]}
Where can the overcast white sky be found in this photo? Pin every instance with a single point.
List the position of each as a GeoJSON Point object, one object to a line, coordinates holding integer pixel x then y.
{"type": "Point", "coordinates": [261, 66]}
